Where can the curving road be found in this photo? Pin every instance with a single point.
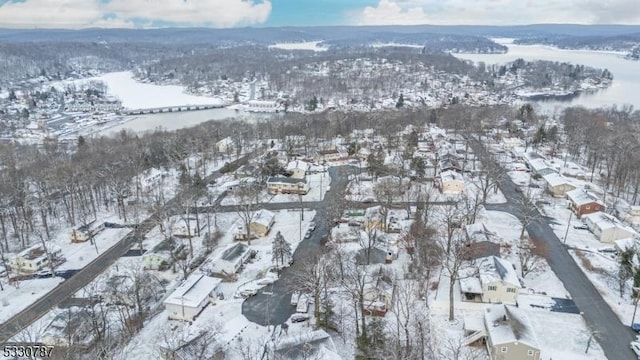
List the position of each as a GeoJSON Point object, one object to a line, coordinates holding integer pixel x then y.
{"type": "Point", "coordinates": [613, 336]}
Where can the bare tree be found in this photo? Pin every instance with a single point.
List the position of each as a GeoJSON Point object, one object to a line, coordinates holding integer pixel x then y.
{"type": "Point", "coordinates": [248, 197]}
{"type": "Point", "coordinates": [530, 255]}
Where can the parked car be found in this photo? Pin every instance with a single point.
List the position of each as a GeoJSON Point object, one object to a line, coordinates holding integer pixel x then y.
{"type": "Point", "coordinates": [43, 274]}
{"type": "Point", "coordinates": [636, 327]}
{"type": "Point", "coordinates": [266, 281]}
{"type": "Point", "coordinates": [635, 346]}
{"type": "Point", "coordinates": [247, 293]}
{"type": "Point", "coordinates": [312, 226]}
{"type": "Point", "coordinates": [295, 318]}
{"type": "Point", "coordinates": [308, 234]}
{"type": "Point", "coordinates": [581, 227]}
{"type": "Point", "coordinates": [294, 298]}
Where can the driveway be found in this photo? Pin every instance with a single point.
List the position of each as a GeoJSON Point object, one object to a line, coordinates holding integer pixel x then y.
{"type": "Point", "coordinates": [272, 304]}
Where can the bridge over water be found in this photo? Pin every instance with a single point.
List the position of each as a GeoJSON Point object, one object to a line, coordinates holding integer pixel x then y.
{"type": "Point", "coordinates": [168, 109]}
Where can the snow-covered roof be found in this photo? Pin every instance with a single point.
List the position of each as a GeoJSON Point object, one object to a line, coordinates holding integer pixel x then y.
{"type": "Point", "coordinates": [470, 285]}
{"type": "Point", "coordinates": [450, 176]}
{"type": "Point", "coordinates": [264, 217]}
{"type": "Point", "coordinates": [605, 221]}
{"type": "Point", "coordinates": [298, 164]}
{"type": "Point", "coordinates": [193, 291]}
{"type": "Point", "coordinates": [555, 179]}
{"type": "Point", "coordinates": [625, 244]}
{"type": "Point", "coordinates": [507, 324]}
{"type": "Point", "coordinates": [493, 268]}
{"type": "Point", "coordinates": [582, 197]}
{"type": "Point", "coordinates": [310, 344]}
{"type": "Point", "coordinates": [234, 252]}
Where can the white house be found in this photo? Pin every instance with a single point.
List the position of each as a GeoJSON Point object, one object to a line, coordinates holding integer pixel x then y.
{"type": "Point", "coordinates": [190, 298]}
{"type": "Point", "coordinates": [34, 258]}
{"type": "Point", "coordinates": [607, 228]}
{"type": "Point", "coordinates": [298, 169]}
{"type": "Point", "coordinates": [231, 259]}
{"type": "Point", "coordinates": [492, 280]}
{"type": "Point", "coordinates": [225, 145]}
{"type": "Point", "coordinates": [451, 182]}
{"type": "Point", "coordinates": [557, 185]}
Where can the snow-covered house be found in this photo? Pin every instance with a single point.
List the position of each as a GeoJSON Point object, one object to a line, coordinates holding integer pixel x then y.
{"type": "Point", "coordinates": [262, 222]}
{"type": "Point", "coordinates": [451, 183]}
{"type": "Point", "coordinates": [70, 328]}
{"type": "Point", "coordinates": [557, 185]}
{"type": "Point", "coordinates": [231, 259]}
{"type": "Point", "coordinates": [510, 142]}
{"type": "Point", "coordinates": [607, 228]}
{"type": "Point", "coordinates": [539, 167]}
{"type": "Point", "coordinates": [634, 214]}
{"type": "Point", "coordinates": [334, 154]}
{"type": "Point", "coordinates": [298, 169]}
{"type": "Point", "coordinates": [35, 258]}
{"type": "Point", "coordinates": [190, 298]}
{"type": "Point", "coordinates": [510, 334]}
{"type": "Point", "coordinates": [160, 257]}
{"type": "Point", "coordinates": [378, 296]}
{"type": "Point", "coordinates": [287, 185]}
{"type": "Point", "coordinates": [491, 280]}
{"type": "Point", "coordinates": [315, 344]}
{"type": "Point", "coordinates": [225, 145]}
{"type": "Point", "coordinates": [583, 202]}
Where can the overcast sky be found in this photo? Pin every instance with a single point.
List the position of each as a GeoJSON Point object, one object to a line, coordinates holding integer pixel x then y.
{"type": "Point", "coordinates": [234, 13]}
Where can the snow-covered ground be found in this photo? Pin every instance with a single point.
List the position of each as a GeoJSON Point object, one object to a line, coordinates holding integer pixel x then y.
{"type": "Point", "coordinates": [15, 299]}
{"type": "Point", "coordinates": [308, 45]}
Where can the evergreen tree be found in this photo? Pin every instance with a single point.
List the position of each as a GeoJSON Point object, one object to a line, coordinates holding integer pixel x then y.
{"type": "Point", "coordinates": [281, 249]}
{"type": "Point", "coordinates": [400, 102]}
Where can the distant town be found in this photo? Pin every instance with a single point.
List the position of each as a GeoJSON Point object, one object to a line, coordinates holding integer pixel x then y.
{"type": "Point", "coordinates": [376, 196]}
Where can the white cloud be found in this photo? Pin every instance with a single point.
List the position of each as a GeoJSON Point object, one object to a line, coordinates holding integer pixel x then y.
{"type": "Point", "coordinates": [122, 13]}
{"type": "Point", "coordinates": [498, 12]}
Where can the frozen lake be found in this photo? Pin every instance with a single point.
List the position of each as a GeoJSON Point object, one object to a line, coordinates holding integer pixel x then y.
{"type": "Point", "coordinates": [626, 73]}
{"type": "Point", "coordinates": [137, 95]}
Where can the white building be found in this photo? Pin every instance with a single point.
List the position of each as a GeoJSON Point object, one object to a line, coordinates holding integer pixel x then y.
{"type": "Point", "coordinates": [34, 258]}
{"type": "Point", "coordinates": [231, 259]}
{"type": "Point", "coordinates": [607, 228]}
{"type": "Point", "coordinates": [262, 106]}
{"type": "Point", "coordinates": [494, 280]}
{"type": "Point", "coordinates": [190, 298]}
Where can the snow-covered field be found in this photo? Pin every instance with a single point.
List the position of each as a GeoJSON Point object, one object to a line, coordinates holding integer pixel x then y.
{"type": "Point", "coordinates": [308, 45]}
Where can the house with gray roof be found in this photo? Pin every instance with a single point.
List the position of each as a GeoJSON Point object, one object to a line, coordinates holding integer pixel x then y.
{"type": "Point", "coordinates": [510, 334]}
{"type": "Point", "coordinates": [231, 259]}
{"type": "Point", "coordinates": [490, 280]}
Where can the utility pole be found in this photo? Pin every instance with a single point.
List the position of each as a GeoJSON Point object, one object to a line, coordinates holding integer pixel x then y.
{"type": "Point", "coordinates": [635, 308]}
{"type": "Point", "coordinates": [568, 224]}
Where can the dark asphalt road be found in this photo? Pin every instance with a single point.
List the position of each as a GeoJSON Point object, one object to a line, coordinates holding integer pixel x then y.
{"type": "Point", "coordinates": [83, 277]}
{"type": "Point", "coordinates": [613, 336]}
{"type": "Point", "coordinates": [266, 309]}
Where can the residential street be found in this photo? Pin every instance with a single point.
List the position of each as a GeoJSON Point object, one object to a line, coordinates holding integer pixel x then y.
{"type": "Point", "coordinates": [83, 277]}
{"type": "Point", "coordinates": [613, 336]}
{"type": "Point", "coordinates": [275, 307]}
